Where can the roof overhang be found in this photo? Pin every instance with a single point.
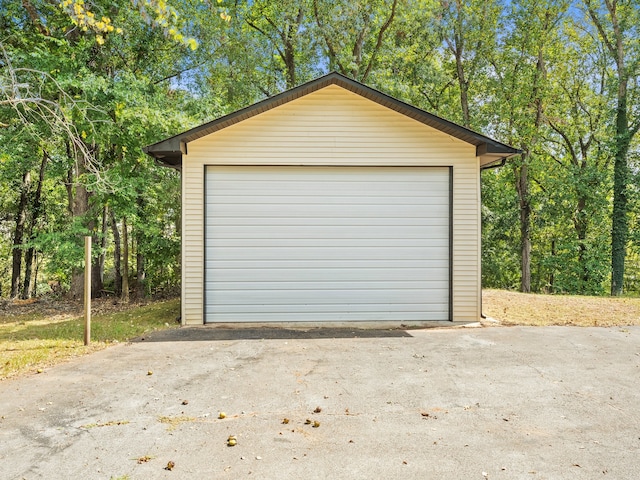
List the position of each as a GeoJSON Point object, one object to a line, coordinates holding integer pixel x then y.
{"type": "Point", "coordinates": [169, 151]}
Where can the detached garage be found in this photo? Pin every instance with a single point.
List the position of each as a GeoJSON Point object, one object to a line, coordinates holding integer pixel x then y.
{"type": "Point", "coordinates": [330, 202]}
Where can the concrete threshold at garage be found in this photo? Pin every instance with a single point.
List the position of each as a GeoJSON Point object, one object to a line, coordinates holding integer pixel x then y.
{"type": "Point", "coordinates": [274, 330]}
{"type": "Point", "coordinates": [481, 403]}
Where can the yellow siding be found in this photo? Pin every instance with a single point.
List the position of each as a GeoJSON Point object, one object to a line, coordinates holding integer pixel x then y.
{"type": "Point", "coordinates": [333, 126]}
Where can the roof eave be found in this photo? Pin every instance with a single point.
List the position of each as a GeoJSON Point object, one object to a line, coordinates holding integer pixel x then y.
{"type": "Point", "coordinates": [169, 151]}
{"type": "Point", "coordinates": [493, 152]}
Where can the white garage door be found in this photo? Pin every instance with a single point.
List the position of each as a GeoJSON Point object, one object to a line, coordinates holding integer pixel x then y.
{"type": "Point", "coordinates": [327, 244]}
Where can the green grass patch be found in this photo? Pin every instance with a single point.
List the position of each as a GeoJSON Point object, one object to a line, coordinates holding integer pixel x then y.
{"type": "Point", "coordinates": [33, 342]}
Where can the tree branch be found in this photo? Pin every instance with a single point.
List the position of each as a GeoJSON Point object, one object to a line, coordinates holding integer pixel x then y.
{"type": "Point", "coordinates": [332, 52]}
{"type": "Point", "coordinates": [381, 33]}
{"type": "Point", "coordinates": [255, 27]}
{"type": "Point", "coordinates": [598, 24]}
{"type": "Point", "coordinates": [565, 137]}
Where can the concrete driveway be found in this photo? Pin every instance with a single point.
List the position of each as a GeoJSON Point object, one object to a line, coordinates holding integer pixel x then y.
{"type": "Point", "coordinates": [497, 403]}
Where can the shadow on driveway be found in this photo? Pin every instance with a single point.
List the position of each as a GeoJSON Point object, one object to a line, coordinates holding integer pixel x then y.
{"type": "Point", "coordinates": [189, 334]}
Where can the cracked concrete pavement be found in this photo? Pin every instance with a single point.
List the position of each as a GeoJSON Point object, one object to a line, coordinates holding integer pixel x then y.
{"type": "Point", "coordinates": [496, 403]}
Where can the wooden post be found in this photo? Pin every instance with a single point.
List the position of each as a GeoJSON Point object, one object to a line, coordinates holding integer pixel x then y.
{"type": "Point", "coordinates": [87, 290]}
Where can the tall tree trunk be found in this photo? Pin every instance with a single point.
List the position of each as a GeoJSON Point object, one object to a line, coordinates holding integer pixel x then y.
{"type": "Point", "coordinates": [463, 83]}
{"type": "Point", "coordinates": [552, 275]}
{"type": "Point", "coordinates": [141, 275]}
{"type": "Point", "coordinates": [125, 261]}
{"type": "Point", "coordinates": [620, 227]}
{"type": "Point", "coordinates": [116, 254]}
{"type": "Point", "coordinates": [522, 175]}
{"type": "Point", "coordinates": [103, 241]}
{"type": "Point", "coordinates": [288, 35]}
{"type": "Point", "coordinates": [34, 290]}
{"type": "Point", "coordinates": [615, 43]}
{"type": "Point", "coordinates": [522, 188]}
{"type": "Point", "coordinates": [29, 285]}
{"type": "Point", "coordinates": [97, 266]}
{"type": "Point", "coordinates": [21, 217]}
{"type": "Point", "coordinates": [79, 197]}
{"type": "Point", "coordinates": [96, 281]}
{"type": "Point", "coordinates": [581, 227]}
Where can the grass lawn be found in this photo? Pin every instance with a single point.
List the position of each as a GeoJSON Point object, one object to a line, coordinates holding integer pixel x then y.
{"type": "Point", "coordinates": [37, 338]}
{"type": "Point", "coordinates": [515, 308]}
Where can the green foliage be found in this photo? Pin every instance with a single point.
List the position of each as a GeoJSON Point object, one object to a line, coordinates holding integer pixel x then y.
{"type": "Point", "coordinates": [91, 90]}
{"type": "Point", "coordinates": [29, 341]}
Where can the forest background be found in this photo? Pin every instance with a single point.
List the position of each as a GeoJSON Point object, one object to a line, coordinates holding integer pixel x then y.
{"type": "Point", "coordinates": [84, 86]}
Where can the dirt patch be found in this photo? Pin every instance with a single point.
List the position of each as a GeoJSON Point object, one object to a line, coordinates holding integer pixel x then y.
{"type": "Point", "coordinates": [53, 309]}
{"type": "Point", "coordinates": [515, 308]}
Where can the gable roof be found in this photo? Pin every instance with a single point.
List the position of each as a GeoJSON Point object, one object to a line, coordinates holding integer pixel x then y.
{"type": "Point", "coordinates": [169, 151]}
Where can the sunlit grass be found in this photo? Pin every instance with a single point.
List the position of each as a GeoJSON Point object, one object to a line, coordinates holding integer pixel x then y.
{"type": "Point", "coordinates": [515, 308]}
{"type": "Point", "coordinates": [32, 342]}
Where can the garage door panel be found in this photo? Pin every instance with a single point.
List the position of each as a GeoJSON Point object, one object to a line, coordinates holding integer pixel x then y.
{"type": "Point", "coordinates": [242, 265]}
{"type": "Point", "coordinates": [343, 285]}
{"type": "Point", "coordinates": [285, 232]}
{"type": "Point", "coordinates": [345, 221]}
{"type": "Point", "coordinates": [224, 201]}
{"type": "Point", "coordinates": [316, 243]}
{"type": "Point", "coordinates": [311, 315]}
{"type": "Point", "coordinates": [385, 181]}
{"type": "Point", "coordinates": [324, 308]}
{"type": "Point", "coordinates": [327, 244]}
{"type": "Point", "coordinates": [329, 253]}
{"type": "Point", "coordinates": [328, 211]}
{"type": "Point", "coordinates": [326, 295]}
{"type": "Point", "coordinates": [344, 274]}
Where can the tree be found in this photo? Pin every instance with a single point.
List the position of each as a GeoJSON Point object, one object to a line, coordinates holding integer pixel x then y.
{"type": "Point", "coordinates": [76, 95]}
{"type": "Point", "coordinates": [521, 71]}
{"type": "Point", "coordinates": [578, 172]}
{"type": "Point", "coordinates": [354, 33]}
{"type": "Point", "coordinates": [467, 30]}
{"type": "Point", "coordinates": [281, 26]}
{"type": "Point", "coordinates": [617, 25]}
